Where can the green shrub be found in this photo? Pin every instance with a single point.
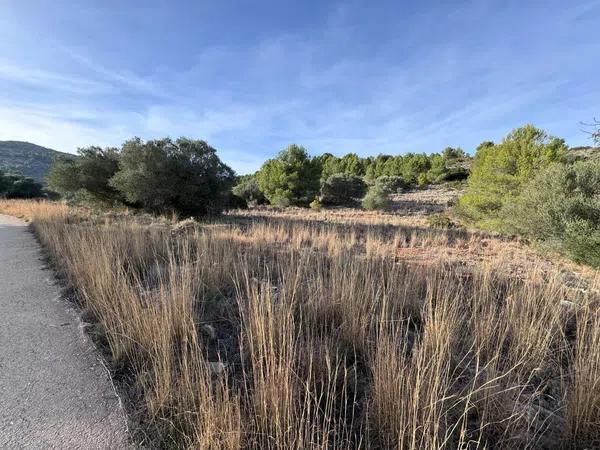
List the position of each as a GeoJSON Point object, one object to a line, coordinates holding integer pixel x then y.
{"type": "Point", "coordinates": [582, 241]}
{"type": "Point", "coordinates": [500, 171]}
{"type": "Point", "coordinates": [440, 221]}
{"type": "Point", "coordinates": [315, 204]}
{"type": "Point", "coordinates": [560, 208]}
{"type": "Point", "coordinates": [342, 189]}
{"type": "Point", "coordinates": [280, 198]}
{"type": "Point", "coordinates": [377, 198]}
{"type": "Point", "coordinates": [392, 183]}
{"type": "Point", "coordinates": [249, 191]}
{"type": "Point", "coordinates": [422, 179]}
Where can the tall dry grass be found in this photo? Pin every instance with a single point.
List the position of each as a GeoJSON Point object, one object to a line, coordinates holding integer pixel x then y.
{"type": "Point", "coordinates": [287, 335]}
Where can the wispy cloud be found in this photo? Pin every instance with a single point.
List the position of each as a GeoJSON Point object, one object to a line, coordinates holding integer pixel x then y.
{"type": "Point", "coordinates": [114, 76]}
{"type": "Point", "coordinates": [392, 79]}
{"type": "Point", "coordinates": [32, 77]}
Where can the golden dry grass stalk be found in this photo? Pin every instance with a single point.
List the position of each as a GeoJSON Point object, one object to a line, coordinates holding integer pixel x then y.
{"type": "Point", "coordinates": [280, 333]}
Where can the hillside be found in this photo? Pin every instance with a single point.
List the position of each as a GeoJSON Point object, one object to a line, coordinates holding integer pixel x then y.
{"type": "Point", "coordinates": [584, 152]}
{"type": "Point", "coordinates": [28, 159]}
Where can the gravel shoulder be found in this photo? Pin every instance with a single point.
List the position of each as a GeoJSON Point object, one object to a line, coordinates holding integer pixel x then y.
{"type": "Point", "coordinates": [54, 389]}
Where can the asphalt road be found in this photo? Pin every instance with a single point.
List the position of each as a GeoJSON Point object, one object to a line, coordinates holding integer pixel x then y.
{"type": "Point", "coordinates": [54, 391]}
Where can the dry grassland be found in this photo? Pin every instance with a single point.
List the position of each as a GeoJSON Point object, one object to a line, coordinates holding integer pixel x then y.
{"type": "Point", "coordinates": [337, 329]}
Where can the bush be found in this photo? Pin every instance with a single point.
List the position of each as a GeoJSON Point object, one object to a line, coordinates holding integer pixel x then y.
{"type": "Point", "coordinates": [342, 189]}
{"type": "Point", "coordinates": [422, 179]}
{"type": "Point", "coordinates": [440, 221]}
{"type": "Point", "coordinates": [582, 241]}
{"type": "Point", "coordinates": [560, 207]}
{"type": "Point", "coordinates": [377, 198]}
{"type": "Point", "coordinates": [162, 176]}
{"type": "Point", "coordinates": [500, 171]}
{"type": "Point", "coordinates": [315, 204]}
{"type": "Point", "coordinates": [392, 184]}
{"type": "Point", "coordinates": [248, 190]}
{"type": "Point", "coordinates": [290, 179]}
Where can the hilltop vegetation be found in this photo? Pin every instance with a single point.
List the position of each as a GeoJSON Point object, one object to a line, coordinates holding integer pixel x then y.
{"type": "Point", "coordinates": [27, 159]}
{"type": "Point", "coordinates": [295, 178]}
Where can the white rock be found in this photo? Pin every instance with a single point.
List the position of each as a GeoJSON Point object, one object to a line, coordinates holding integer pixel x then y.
{"type": "Point", "coordinates": [217, 367]}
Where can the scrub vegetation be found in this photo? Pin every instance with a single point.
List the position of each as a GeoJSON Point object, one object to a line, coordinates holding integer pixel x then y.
{"type": "Point", "coordinates": [403, 310]}
{"type": "Point", "coordinates": [290, 331]}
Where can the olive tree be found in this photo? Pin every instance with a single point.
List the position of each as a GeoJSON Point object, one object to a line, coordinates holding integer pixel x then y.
{"type": "Point", "coordinates": [186, 176]}
{"type": "Point", "coordinates": [88, 174]}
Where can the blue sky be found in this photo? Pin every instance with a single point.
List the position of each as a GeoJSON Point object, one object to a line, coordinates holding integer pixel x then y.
{"type": "Point", "coordinates": [251, 77]}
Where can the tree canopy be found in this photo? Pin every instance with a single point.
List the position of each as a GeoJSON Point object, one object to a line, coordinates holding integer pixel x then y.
{"type": "Point", "coordinates": [18, 186]}
{"type": "Point", "coordinates": [292, 178]}
{"type": "Point", "coordinates": [88, 174]}
{"type": "Point", "coordinates": [161, 176]}
{"type": "Point", "coordinates": [499, 171]}
{"type": "Point", "coordinates": [185, 176]}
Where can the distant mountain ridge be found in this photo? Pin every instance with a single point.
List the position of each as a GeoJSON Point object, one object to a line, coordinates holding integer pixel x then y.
{"type": "Point", "coordinates": [35, 161]}
{"type": "Point", "coordinates": [28, 159]}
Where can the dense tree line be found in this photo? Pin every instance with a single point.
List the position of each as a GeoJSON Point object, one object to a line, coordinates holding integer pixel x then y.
{"type": "Point", "coordinates": [187, 177]}
{"type": "Point", "coordinates": [14, 185]}
{"type": "Point", "coordinates": [293, 177]}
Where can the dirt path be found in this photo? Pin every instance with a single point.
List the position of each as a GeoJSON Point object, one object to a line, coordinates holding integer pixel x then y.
{"type": "Point", "coordinates": [54, 391]}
